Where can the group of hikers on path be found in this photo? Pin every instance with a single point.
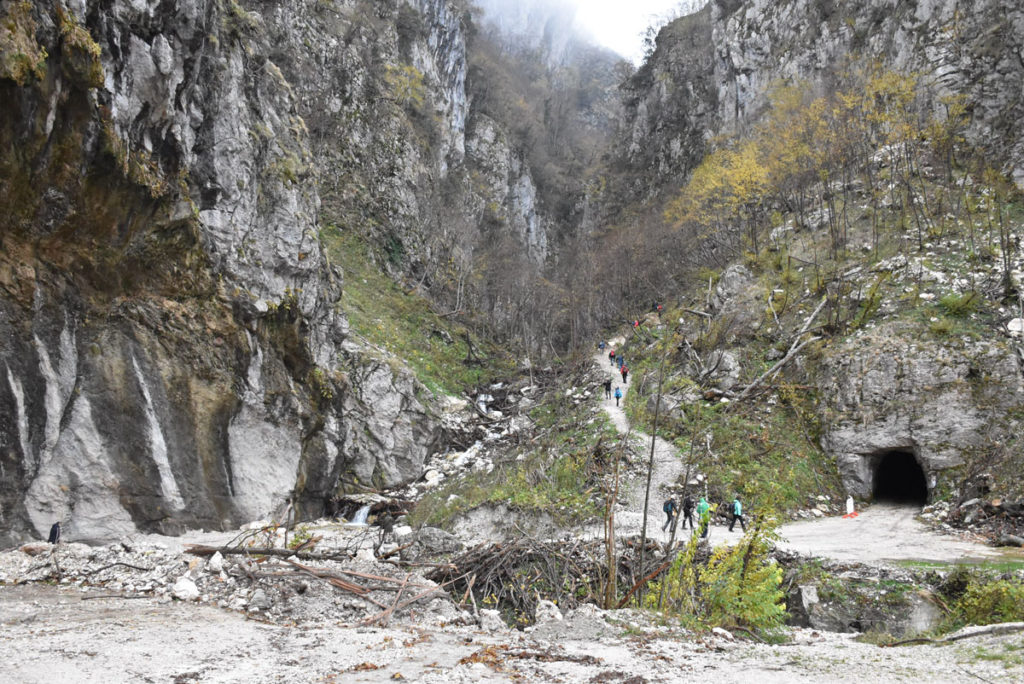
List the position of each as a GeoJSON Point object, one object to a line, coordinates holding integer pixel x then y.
{"type": "Point", "coordinates": [703, 508]}
{"type": "Point", "coordinates": [623, 370]}
{"type": "Point", "coordinates": [670, 507]}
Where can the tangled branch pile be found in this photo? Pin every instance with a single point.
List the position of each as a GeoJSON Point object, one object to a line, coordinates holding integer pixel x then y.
{"type": "Point", "coordinates": [514, 576]}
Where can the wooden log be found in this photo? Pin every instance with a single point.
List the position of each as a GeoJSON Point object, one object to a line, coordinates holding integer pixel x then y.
{"type": "Point", "coordinates": [202, 550]}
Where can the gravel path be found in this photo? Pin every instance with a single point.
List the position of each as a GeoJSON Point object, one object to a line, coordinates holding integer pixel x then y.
{"type": "Point", "coordinates": [880, 533]}
{"type": "Point", "coordinates": [669, 469]}
{"type": "Point", "coordinates": [51, 634]}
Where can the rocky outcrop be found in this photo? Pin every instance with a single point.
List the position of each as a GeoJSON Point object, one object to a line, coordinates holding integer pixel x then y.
{"type": "Point", "coordinates": [968, 47]}
{"type": "Point", "coordinates": [889, 390]}
{"type": "Point", "coordinates": [670, 108]}
{"type": "Point", "coordinates": [711, 72]}
{"type": "Point", "coordinates": [173, 350]}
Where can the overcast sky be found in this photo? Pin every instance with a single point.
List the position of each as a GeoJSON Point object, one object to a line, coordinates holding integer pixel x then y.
{"type": "Point", "coordinates": [619, 24]}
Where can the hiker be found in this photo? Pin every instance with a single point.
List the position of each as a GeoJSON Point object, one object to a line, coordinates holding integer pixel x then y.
{"type": "Point", "coordinates": [688, 511]}
{"type": "Point", "coordinates": [600, 345]}
{"type": "Point", "coordinates": [625, 373]}
{"type": "Point", "coordinates": [611, 357]}
{"type": "Point", "coordinates": [54, 533]}
{"type": "Point", "coordinates": [737, 514]}
{"type": "Point", "coordinates": [669, 508]}
{"type": "Point", "coordinates": [621, 360]}
{"type": "Point", "coordinates": [607, 389]}
{"type": "Point", "coordinates": [704, 516]}
{"type": "Point", "coordinates": [618, 395]}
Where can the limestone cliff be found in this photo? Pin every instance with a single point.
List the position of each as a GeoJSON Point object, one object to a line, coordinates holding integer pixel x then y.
{"type": "Point", "coordinates": [711, 72]}
{"type": "Point", "coordinates": [174, 353]}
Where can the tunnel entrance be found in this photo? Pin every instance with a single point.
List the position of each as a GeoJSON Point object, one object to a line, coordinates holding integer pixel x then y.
{"type": "Point", "coordinates": [900, 479]}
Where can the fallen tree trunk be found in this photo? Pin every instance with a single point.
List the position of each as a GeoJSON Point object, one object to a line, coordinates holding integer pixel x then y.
{"type": "Point", "coordinates": [966, 633]}
{"type": "Point", "coordinates": [201, 550]}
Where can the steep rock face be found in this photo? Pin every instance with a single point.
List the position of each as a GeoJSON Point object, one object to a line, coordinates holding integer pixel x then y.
{"type": "Point", "coordinates": [712, 71]}
{"type": "Point", "coordinates": [968, 47]}
{"type": "Point", "coordinates": [171, 341]}
{"type": "Point", "coordinates": [670, 108]}
{"type": "Point", "coordinates": [174, 353]}
{"type": "Point", "coordinates": [888, 390]}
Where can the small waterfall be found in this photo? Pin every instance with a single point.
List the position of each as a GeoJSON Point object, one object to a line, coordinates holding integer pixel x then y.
{"type": "Point", "coordinates": [158, 446]}
{"type": "Point", "coordinates": [360, 517]}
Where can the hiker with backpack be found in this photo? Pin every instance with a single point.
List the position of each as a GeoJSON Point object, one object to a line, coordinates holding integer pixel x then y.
{"type": "Point", "coordinates": [688, 511]}
{"type": "Point", "coordinates": [607, 389]}
{"type": "Point", "coordinates": [737, 514]}
{"type": "Point", "coordinates": [618, 395]}
{"type": "Point", "coordinates": [625, 374]}
{"type": "Point", "coordinates": [704, 516]}
{"type": "Point", "coordinates": [611, 357]}
{"type": "Point", "coordinates": [669, 508]}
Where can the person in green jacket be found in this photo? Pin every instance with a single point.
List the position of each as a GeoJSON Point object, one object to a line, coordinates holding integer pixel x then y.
{"type": "Point", "coordinates": [737, 514]}
{"type": "Point", "coordinates": [703, 516]}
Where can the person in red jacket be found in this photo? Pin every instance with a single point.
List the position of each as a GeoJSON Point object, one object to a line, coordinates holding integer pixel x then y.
{"type": "Point", "coordinates": [625, 374]}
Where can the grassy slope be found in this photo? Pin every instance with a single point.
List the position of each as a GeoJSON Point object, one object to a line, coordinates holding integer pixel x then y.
{"type": "Point", "coordinates": [553, 472]}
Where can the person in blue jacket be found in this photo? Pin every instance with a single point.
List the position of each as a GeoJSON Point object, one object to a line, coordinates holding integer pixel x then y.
{"type": "Point", "coordinates": [618, 395]}
{"type": "Point", "coordinates": [737, 514]}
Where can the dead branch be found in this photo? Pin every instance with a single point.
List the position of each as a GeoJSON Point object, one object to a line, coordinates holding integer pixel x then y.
{"type": "Point", "coordinates": [660, 569]}
{"type": "Point", "coordinates": [386, 615]}
{"type": "Point", "coordinates": [406, 603]}
{"type": "Point", "coordinates": [127, 565]}
{"type": "Point", "coordinates": [991, 630]}
{"type": "Point", "coordinates": [201, 550]}
{"type": "Point", "coordinates": [793, 351]}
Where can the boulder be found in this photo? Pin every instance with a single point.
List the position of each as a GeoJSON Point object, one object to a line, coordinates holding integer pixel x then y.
{"type": "Point", "coordinates": [36, 548]}
{"type": "Point", "coordinates": [259, 600]}
{"type": "Point", "coordinates": [185, 589]}
{"type": "Point", "coordinates": [429, 542]}
{"type": "Point", "coordinates": [490, 621]}
{"type": "Point", "coordinates": [547, 612]}
{"type": "Point", "coordinates": [216, 563]}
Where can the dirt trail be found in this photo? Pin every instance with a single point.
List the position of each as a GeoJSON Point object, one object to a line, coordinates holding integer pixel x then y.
{"type": "Point", "coordinates": [669, 468]}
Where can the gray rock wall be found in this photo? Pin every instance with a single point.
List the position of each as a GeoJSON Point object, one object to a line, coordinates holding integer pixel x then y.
{"type": "Point", "coordinates": [711, 71]}
{"type": "Point", "coordinates": [171, 338]}
{"type": "Point", "coordinates": [888, 390]}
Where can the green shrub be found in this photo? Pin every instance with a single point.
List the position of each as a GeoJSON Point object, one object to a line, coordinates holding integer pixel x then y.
{"type": "Point", "coordinates": [989, 603]}
{"type": "Point", "coordinates": [960, 305]}
{"type": "Point", "coordinates": [942, 327]}
{"type": "Point", "coordinates": [739, 586]}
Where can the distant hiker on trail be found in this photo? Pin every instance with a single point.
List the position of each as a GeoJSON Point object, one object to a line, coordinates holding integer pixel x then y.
{"type": "Point", "coordinates": [600, 345]}
{"type": "Point", "coordinates": [704, 516]}
{"type": "Point", "coordinates": [621, 360]}
{"type": "Point", "coordinates": [669, 508]}
{"type": "Point", "coordinates": [611, 357]}
{"type": "Point", "coordinates": [636, 323]}
{"type": "Point", "coordinates": [607, 389]}
{"type": "Point", "coordinates": [688, 511]}
{"type": "Point", "coordinates": [625, 374]}
{"type": "Point", "coordinates": [618, 395]}
{"type": "Point", "coordinates": [54, 533]}
{"type": "Point", "coordinates": [737, 514]}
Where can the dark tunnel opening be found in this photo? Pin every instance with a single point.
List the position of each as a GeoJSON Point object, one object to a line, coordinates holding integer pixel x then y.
{"type": "Point", "coordinates": [900, 479]}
